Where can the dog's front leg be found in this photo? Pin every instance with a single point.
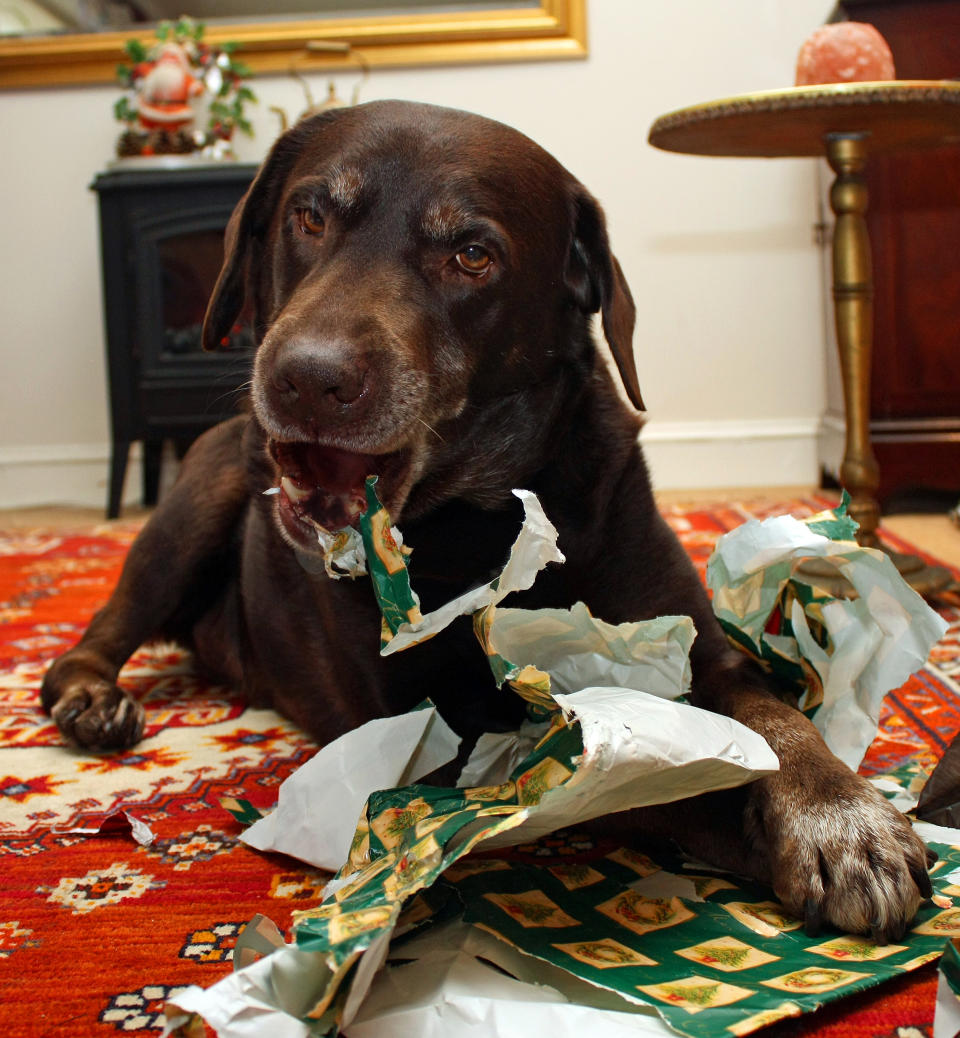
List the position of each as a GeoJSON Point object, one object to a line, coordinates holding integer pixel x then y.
{"type": "Point", "coordinates": [835, 849]}
{"type": "Point", "coordinates": [193, 524]}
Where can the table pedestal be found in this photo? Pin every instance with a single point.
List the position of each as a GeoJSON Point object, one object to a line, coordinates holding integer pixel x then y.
{"type": "Point", "coordinates": [853, 318]}
{"type": "Point", "coordinates": [843, 121]}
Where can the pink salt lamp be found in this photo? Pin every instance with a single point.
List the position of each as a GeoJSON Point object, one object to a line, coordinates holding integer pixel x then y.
{"type": "Point", "coordinates": [845, 52]}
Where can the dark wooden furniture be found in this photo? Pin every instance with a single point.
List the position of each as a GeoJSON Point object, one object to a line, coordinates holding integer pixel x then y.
{"type": "Point", "coordinates": [914, 225]}
{"type": "Point", "coordinates": [161, 236]}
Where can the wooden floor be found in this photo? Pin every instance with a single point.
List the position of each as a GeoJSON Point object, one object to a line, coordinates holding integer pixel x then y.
{"type": "Point", "coordinates": [936, 533]}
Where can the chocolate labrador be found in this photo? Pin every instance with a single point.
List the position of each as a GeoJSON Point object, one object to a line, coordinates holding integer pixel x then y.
{"type": "Point", "coordinates": [421, 284]}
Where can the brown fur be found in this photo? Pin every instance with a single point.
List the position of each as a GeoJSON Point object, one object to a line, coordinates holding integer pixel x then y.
{"type": "Point", "coordinates": [352, 252]}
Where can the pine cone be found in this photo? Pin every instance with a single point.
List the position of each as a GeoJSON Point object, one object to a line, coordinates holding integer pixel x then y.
{"type": "Point", "coordinates": [181, 143]}
{"type": "Point", "coordinates": [130, 143]}
{"type": "Point", "coordinates": [160, 142]}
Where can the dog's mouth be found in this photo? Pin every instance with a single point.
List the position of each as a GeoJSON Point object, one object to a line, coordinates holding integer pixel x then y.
{"type": "Point", "coordinates": [325, 486]}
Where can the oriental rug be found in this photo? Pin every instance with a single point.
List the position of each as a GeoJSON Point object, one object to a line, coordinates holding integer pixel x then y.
{"type": "Point", "coordinates": [97, 929]}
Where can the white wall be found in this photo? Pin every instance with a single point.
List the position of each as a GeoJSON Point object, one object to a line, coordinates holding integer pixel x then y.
{"type": "Point", "coordinates": [718, 252]}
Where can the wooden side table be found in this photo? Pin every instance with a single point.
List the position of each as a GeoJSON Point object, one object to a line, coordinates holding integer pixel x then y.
{"type": "Point", "coordinates": [846, 122]}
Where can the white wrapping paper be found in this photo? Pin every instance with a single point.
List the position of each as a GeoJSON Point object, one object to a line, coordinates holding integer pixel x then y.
{"type": "Point", "coordinates": [875, 640]}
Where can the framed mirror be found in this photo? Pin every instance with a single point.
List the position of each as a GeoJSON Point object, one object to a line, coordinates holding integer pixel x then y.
{"type": "Point", "coordinates": [333, 33]}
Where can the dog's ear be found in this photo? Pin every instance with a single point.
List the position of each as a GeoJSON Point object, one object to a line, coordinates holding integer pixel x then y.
{"type": "Point", "coordinates": [230, 291]}
{"type": "Point", "coordinates": [240, 285]}
{"type": "Point", "coordinates": [596, 281]}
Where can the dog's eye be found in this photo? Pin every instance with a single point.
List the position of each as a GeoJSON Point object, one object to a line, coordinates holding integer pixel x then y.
{"type": "Point", "coordinates": [474, 259]}
{"type": "Point", "coordinates": [311, 222]}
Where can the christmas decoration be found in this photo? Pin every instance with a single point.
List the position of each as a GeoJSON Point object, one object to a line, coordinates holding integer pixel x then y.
{"type": "Point", "coordinates": [184, 96]}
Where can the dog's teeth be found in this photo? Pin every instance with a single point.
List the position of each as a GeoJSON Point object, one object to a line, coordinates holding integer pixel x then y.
{"type": "Point", "coordinates": [272, 490]}
{"type": "Point", "coordinates": [292, 491]}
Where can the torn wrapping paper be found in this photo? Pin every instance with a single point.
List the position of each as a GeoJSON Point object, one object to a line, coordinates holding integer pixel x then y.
{"type": "Point", "coordinates": [591, 759]}
{"type": "Point", "coordinates": [601, 748]}
{"type": "Point", "coordinates": [443, 984]}
{"type": "Point", "coordinates": [637, 750]}
{"type": "Point", "coordinates": [606, 733]}
{"type": "Point", "coordinates": [578, 650]}
{"type": "Point", "coordinates": [335, 783]}
{"type": "Point", "coordinates": [119, 823]}
{"type": "Point", "coordinates": [614, 933]}
{"type": "Point", "coordinates": [453, 993]}
{"type": "Point", "coordinates": [345, 551]}
{"type": "Point", "coordinates": [726, 961]}
{"type": "Point", "coordinates": [403, 626]}
{"type": "Point", "coordinates": [267, 997]}
{"type": "Point", "coordinates": [841, 655]}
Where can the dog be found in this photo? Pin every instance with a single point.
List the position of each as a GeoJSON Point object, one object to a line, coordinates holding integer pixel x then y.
{"type": "Point", "coordinates": [421, 284]}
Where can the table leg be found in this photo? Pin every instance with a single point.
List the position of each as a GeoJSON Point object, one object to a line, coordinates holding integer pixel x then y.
{"type": "Point", "coordinates": [853, 315]}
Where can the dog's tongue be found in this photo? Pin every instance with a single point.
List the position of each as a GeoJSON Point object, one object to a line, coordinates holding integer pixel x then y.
{"type": "Point", "coordinates": [324, 484]}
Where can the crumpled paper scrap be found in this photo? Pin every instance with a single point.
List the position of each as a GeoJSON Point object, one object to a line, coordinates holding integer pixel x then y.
{"type": "Point", "coordinates": [534, 547]}
{"type": "Point", "coordinates": [577, 650]}
{"type": "Point", "coordinates": [601, 748]}
{"type": "Point", "coordinates": [595, 756]}
{"type": "Point", "coordinates": [939, 800]}
{"type": "Point", "coordinates": [410, 836]}
{"type": "Point", "coordinates": [447, 986]}
{"type": "Point", "coordinates": [335, 783]}
{"type": "Point", "coordinates": [118, 823]}
{"type": "Point", "coordinates": [345, 551]}
{"type": "Point", "coordinates": [842, 655]}
{"type": "Point", "coordinates": [268, 997]}
{"type": "Point", "coordinates": [946, 1020]}
{"type": "Point", "coordinates": [637, 750]}
{"type": "Point", "coordinates": [571, 766]}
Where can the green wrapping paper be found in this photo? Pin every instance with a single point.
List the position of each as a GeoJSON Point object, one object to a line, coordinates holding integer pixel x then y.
{"type": "Point", "coordinates": [840, 655]}
{"type": "Point", "coordinates": [398, 602]}
{"type": "Point", "coordinates": [713, 955]}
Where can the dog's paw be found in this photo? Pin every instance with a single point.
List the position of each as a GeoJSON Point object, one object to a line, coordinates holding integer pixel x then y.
{"type": "Point", "coordinates": [840, 853]}
{"type": "Point", "coordinates": [95, 715]}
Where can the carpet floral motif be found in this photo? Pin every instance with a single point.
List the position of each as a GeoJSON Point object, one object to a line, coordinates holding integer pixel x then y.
{"type": "Point", "coordinates": [109, 886]}
{"type": "Point", "coordinates": [214, 944]}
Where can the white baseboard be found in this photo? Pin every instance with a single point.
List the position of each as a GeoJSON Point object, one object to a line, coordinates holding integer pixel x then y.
{"type": "Point", "coordinates": [681, 455]}
{"type": "Point", "coordinates": [63, 474]}
{"type": "Point", "coordinates": [833, 439]}
{"type": "Point", "coordinates": [749, 453]}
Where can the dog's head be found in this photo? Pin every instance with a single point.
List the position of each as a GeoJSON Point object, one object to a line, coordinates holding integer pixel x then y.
{"type": "Point", "coordinates": [420, 283]}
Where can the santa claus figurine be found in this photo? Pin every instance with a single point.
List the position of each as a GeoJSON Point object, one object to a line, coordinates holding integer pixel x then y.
{"type": "Point", "coordinates": [164, 90]}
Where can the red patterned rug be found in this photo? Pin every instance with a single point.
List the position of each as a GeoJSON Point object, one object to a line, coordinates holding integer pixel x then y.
{"type": "Point", "coordinates": [97, 930]}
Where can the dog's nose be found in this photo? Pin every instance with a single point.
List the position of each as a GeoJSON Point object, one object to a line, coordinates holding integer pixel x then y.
{"type": "Point", "coordinates": [316, 379]}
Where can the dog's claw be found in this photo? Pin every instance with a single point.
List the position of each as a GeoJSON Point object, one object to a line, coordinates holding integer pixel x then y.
{"type": "Point", "coordinates": [922, 878]}
{"type": "Point", "coordinates": [864, 871]}
{"type": "Point", "coordinates": [96, 715]}
{"type": "Point", "coordinates": [812, 920]}
{"type": "Point", "coordinates": [876, 932]}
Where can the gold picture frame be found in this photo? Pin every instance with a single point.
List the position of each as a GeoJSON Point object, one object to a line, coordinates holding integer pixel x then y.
{"type": "Point", "coordinates": [549, 29]}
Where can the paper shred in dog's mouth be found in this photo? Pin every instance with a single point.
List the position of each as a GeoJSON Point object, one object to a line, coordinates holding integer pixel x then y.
{"type": "Point", "coordinates": [323, 486]}
{"type": "Point", "coordinates": [344, 550]}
